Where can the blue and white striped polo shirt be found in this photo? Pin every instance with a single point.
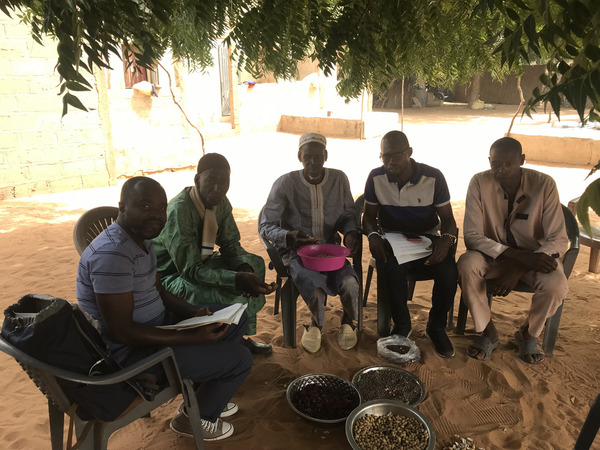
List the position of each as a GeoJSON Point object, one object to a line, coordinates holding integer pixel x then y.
{"type": "Point", "coordinates": [411, 207]}
{"type": "Point", "coordinates": [114, 264]}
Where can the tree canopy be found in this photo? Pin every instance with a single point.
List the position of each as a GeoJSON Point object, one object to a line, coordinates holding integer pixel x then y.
{"type": "Point", "coordinates": [370, 42]}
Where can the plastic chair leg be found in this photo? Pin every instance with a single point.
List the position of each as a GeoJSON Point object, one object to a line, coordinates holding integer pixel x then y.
{"type": "Point", "coordinates": [277, 296]}
{"type": "Point", "coordinates": [551, 332]}
{"type": "Point", "coordinates": [368, 284]}
{"type": "Point", "coordinates": [288, 313]}
{"type": "Point", "coordinates": [383, 308]}
{"type": "Point", "coordinates": [461, 321]}
{"type": "Point", "coordinates": [57, 422]}
{"type": "Point", "coordinates": [590, 427]}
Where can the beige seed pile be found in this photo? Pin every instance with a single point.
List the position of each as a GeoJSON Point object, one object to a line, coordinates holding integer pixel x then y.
{"type": "Point", "coordinates": [461, 443]}
{"type": "Point", "coordinates": [390, 432]}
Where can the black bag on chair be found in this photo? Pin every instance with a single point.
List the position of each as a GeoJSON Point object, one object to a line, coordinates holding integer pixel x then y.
{"type": "Point", "coordinates": [57, 332]}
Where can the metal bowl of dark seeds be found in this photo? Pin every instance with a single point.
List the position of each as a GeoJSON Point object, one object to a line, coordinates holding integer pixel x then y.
{"type": "Point", "coordinates": [389, 383]}
{"type": "Point", "coordinates": [323, 398]}
{"type": "Point", "coordinates": [389, 425]}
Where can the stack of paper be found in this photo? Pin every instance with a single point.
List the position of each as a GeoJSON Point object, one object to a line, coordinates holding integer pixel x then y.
{"type": "Point", "coordinates": [405, 250]}
{"type": "Point", "coordinates": [230, 314]}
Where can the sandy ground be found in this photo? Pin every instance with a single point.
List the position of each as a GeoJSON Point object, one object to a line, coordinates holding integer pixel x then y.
{"type": "Point", "coordinates": [502, 403]}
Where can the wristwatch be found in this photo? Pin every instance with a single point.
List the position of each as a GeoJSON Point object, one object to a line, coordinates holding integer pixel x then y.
{"type": "Point", "coordinates": [453, 238]}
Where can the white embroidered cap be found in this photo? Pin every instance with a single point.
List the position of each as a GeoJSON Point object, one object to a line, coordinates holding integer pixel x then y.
{"type": "Point", "coordinates": [312, 137]}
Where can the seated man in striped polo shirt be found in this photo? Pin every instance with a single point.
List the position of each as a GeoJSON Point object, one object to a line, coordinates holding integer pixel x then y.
{"type": "Point", "coordinates": [409, 198]}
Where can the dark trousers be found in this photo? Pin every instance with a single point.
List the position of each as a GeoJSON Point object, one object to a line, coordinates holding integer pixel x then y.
{"type": "Point", "coordinates": [394, 281]}
{"type": "Point", "coordinates": [218, 369]}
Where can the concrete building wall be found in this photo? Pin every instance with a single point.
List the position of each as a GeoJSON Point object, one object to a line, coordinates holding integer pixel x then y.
{"type": "Point", "coordinates": [505, 92]}
{"type": "Point", "coordinates": [39, 151]}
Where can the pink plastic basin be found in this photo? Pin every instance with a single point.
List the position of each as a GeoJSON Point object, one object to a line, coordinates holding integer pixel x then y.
{"type": "Point", "coordinates": [323, 257]}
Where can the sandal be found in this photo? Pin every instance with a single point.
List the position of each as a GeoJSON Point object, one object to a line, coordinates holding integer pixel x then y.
{"type": "Point", "coordinates": [527, 346]}
{"type": "Point", "coordinates": [483, 344]}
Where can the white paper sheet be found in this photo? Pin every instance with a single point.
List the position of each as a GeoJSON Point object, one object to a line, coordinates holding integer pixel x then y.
{"type": "Point", "coordinates": [230, 314]}
{"type": "Point", "coordinates": [405, 250]}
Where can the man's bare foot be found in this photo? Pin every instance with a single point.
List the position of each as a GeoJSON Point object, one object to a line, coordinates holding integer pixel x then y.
{"type": "Point", "coordinates": [528, 347]}
{"type": "Point", "coordinates": [490, 333]}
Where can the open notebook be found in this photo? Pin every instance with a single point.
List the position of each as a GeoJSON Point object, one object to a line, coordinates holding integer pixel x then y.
{"type": "Point", "coordinates": [230, 314]}
{"type": "Point", "coordinates": [405, 250]}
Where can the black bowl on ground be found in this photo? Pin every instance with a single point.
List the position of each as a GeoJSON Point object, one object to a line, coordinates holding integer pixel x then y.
{"type": "Point", "coordinates": [389, 383]}
{"type": "Point", "coordinates": [323, 398]}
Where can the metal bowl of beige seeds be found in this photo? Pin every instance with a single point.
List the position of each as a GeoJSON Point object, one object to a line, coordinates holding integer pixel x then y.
{"type": "Point", "coordinates": [388, 424]}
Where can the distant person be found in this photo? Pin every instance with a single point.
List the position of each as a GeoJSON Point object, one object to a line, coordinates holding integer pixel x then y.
{"type": "Point", "coordinates": [514, 231]}
{"type": "Point", "coordinates": [404, 196]}
{"type": "Point", "coordinates": [308, 206]}
{"type": "Point", "coordinates": [198, 219]}
{"type": "Point", "coordinates": [118, 285]}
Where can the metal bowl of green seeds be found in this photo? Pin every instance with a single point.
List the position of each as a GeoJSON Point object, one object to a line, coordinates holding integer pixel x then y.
{"type": "Point", "coordinates": [389, 383]}
{"type": "Point", "coordinates": [388, 425]}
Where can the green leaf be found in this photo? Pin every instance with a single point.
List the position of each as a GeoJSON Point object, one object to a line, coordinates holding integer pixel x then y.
{"type": "Point", "coordinates": [513, 15]}
{"type": "Point", "coordinates": [74, 101]}
{"type": "Point", "coordinates": [589, 199]}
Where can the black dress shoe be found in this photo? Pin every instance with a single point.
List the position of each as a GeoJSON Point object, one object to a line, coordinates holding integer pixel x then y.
{"type": "Point", "coordinates": [442, 344]}
{"type": "Point", "coordinates": [257, 348]}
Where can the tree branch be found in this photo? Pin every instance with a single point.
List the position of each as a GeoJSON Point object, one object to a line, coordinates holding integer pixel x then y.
{"type": "Point", "coordinates": [181, 109]}
{"type": "Point", "coordinates": [520, 105]}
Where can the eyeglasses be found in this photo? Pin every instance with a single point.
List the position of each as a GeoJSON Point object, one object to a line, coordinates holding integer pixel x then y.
{"type": "Point", "coordinates": [388, 157]}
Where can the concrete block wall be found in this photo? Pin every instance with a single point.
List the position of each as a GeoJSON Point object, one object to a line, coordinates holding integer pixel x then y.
{"type": "Point", "coordinates": [39, 151]}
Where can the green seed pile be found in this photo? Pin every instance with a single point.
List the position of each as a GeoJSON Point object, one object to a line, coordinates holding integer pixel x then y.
{"type": "Point", "coordinates": [390, 432]}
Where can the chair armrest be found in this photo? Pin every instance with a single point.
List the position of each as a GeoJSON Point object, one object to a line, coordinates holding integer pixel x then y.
{"type": "Point", "coordinates": [572, 205]}
{"type": "Point", "coordinates": [115, 377]}
{"type": "Point", "coordinates": [275, 258]}
{"type": "Point", "coordinates": [569, 259]}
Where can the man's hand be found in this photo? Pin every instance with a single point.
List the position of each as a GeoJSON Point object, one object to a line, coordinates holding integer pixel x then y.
{"type": "Point", "coordinates": [440, 249]}
{"type": "Point", "coordinates": [540, 262]}
{"type": "Point", "coordinates": [209, 334]}
{"type": "Point", "coordinates": [296, 239]}
{"type": "Point", "coordinates": [503, 285]}
{"type": "Point", "coordinates": [352, 242]}
{"type": "Point", "coordinates": [252, 286]}
{"type": "Point", "coordinates": [204, 311]}
{"type": "Point", "coordinates": [377, 248]}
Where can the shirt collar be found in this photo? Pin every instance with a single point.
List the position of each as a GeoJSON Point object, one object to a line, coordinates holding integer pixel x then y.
{"type": "Point", "coordinates": [417, 173]}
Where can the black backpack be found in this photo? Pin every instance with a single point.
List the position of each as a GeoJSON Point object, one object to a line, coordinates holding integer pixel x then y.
{"type": "Point", "coordinates": [57, 332]}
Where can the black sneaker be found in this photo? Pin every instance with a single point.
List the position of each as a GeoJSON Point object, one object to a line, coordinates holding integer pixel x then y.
{"type": "Point", "coordinates": [442, 344]}
{"type": "Point", "coordinates": [258, 348]}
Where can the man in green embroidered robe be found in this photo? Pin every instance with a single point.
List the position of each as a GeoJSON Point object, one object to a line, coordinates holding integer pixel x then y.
{"type": "Point", "coordinates": [198, 218]}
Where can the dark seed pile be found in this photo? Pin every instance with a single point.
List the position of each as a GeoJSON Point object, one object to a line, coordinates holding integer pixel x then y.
{"type": "Point", "coordinates": [389, 384]}
{"type": "Point", "coordinates": [325, 402]}
{"type": "Point", "coordinates": [390, 432]}
{"type": "Point", "coordinates": [401, 349]}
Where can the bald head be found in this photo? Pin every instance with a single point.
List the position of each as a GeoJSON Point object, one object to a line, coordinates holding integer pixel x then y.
{"type": "Point", "coordinates": [137, 184]}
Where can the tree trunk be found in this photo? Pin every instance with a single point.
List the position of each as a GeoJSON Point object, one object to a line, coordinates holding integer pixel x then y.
{"type": "Point", "coordinates": [475, 89]}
